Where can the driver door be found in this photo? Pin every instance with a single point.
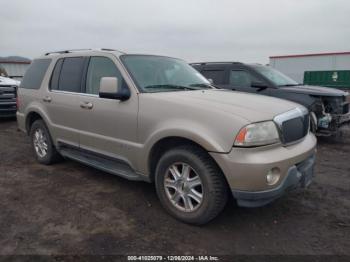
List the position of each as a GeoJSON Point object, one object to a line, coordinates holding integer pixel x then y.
{"type": "Point", "coordinates": [241, 80]}
{"type": "Point", "coordinates": [110, 125]}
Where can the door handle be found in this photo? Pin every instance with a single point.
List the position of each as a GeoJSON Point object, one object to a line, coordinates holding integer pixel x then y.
{"type": "Point", "coordinates": [86, 105]}
{"type": "Point", "coordinates": [47, 99]}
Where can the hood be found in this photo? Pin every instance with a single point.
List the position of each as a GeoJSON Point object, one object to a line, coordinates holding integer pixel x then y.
{"type": "Point", "coordinates": [314, 90]}
{"type": "Point", "coordinates": [8, 81]}
{"type": "Point", "coordinates": [253, 108]}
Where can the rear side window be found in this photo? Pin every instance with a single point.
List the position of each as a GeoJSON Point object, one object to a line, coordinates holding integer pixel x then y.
{"type": "Point", "coordinates": [56, 75]}
{"type": "Point", "coordinates": [218, 76]}
{"type": "Point", "coordinates": [35, 74]}
{"type": "Point", "coordinates": [69, 74]}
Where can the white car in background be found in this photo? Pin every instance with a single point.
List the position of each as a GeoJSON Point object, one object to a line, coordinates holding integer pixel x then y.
{"type": "Point", "coordinates": [8, 96]}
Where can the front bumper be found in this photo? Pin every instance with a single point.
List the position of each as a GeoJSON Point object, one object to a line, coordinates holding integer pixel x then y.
{"type": "Point", "coordinates": [335, 126]}
{"type": "Point", "coordinates": [298, 175]}
{"type": "Point", "coordinates": [245, 169]}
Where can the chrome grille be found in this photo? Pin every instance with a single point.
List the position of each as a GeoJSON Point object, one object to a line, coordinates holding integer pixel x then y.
{"type": "Point", "coordinates": [8, 100]}
{"type": "Point", "coordinates": [293, 125]}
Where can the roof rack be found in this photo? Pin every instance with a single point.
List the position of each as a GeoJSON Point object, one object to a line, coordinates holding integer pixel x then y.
{"type": "Point", "coordinates": [80, 50]}
{"type": "Point", "coordinates": [67, 51]}
{"type": "Point", "coordinates": [109, 49]}
{"type": "Point", "coordinates": [208, 63]}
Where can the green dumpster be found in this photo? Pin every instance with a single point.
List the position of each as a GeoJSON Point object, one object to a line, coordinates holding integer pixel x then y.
{"type": "Point", "coordinates": [336, 79]}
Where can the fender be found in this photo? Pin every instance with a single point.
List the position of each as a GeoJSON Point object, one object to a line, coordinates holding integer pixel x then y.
{"type": "Point", "coordinates": [199, 135]}
{"type": "Point", "coordinates": [303, 99]}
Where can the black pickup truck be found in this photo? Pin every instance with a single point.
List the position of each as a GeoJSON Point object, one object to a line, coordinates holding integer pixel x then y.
{"type": "Point", "coordinates": [8, 94]}
{"type": "Point", "coordinates": [328, 107]}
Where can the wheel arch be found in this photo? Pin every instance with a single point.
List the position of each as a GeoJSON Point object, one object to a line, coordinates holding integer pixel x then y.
{"type": "Point", "coordinates": [166, 143]}
{"type": "Point", "coordinates": [31, 117]}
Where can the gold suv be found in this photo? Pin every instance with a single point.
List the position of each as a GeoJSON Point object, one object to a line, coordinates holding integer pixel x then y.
{"type": "Point", "coordinates": [156, 119]}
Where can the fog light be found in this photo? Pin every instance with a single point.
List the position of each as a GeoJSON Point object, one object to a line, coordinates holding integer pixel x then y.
{"type": "Point", "coordinates": [273, 176]}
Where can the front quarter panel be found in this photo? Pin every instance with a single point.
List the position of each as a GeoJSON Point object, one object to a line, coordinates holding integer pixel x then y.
{"type": "Point", "coordinates": [214, 130]}
{"type": "Point", "coordinates": [303, 99]}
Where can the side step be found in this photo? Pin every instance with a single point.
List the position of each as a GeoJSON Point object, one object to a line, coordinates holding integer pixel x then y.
{"type": "Point", "coordinates": [112, 166]}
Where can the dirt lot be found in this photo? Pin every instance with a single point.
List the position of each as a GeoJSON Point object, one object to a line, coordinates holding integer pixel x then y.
{"type": "Point", "coordinates": [69, 208]}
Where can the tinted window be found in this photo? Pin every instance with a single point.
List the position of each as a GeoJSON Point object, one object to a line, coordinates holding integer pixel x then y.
{"type": "Point", "coordinates": [241, 78]}
{"type": "Point", "coordinates": [35, 74]}
{"type": "Point", "coordinates": [55, 75]}
{"type": "Point", "coordinates": [71, 74]}
{"type": "Point", "coordinates": [218, 76]}
{"type": "Point", "coordinates": [100, 67]}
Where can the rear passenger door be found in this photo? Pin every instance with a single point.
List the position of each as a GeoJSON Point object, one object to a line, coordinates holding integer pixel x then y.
{"type": "Point", "coordinates": [61, 100]}
{"type": "Point", "coordinates": [109, 125]}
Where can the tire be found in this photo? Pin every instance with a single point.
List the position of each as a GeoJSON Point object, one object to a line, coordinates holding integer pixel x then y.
{"type": "Point", "coordinates": [313, 122]}
{"type": "Point", "coordinates": [200, 167]}
{"type": "Point", "coordinates": [39, 131]}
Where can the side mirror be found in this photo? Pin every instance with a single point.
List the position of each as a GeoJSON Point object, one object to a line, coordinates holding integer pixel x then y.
{"type": "Point", "coordinates": [210, 81]}
{"type": "Point", "coordinates": [110, 89]}
{"type": "Point", "coordinates": [258, 84]}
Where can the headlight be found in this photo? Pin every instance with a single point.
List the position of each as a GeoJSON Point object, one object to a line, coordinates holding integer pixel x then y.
{"type": "Point", "coordinates": [258, 134]}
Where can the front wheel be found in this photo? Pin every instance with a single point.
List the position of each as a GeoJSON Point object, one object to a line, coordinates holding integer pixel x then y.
{"type": "Point", "coordinates": [313, 122]}
{"type": "Point", "coordinates": [190, 185]}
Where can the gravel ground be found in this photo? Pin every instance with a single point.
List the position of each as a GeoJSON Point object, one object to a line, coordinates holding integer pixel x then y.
{"type": "Point", "coordinates": [69, 208]}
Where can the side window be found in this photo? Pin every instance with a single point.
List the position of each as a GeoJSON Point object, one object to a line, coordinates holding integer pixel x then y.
{"type": "Point", "coordinates": [35, 74]}
{"type": "Point", "coordinates": [100, 67]}
{"type": "Point", "coordinates": [241, 78]}
{"type": "Point", "coordinates": [71, 74]}
{"type": "Point", "coordinates": [56, 75]}
{"type": "Point", "coordinates": [218, 76]}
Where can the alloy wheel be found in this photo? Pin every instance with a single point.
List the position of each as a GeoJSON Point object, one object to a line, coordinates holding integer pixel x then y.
{"type": "Point", "coordinates": [40, 143]}
{"type": "Point", "coordinates": [183, 187]}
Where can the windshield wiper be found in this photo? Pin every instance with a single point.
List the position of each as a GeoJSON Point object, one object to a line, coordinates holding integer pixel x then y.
{"type": "Point", "coordinates": [289, 85]}
{"type": "Point", "coordinates": [170, 87]}
{"type": "Point", "coordinates": [201, 85]}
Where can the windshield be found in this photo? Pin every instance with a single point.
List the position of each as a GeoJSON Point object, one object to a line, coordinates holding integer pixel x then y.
{"type": "Point", "coordinates": [275, 76]}
{"type": "Point", "coordinates": [163, 74]}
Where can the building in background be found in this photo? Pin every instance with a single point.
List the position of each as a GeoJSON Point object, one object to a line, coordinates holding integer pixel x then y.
{"type": "Point", "coordinates": [325, 69]}
{"type": "Point", "coordinates": [14, 66]}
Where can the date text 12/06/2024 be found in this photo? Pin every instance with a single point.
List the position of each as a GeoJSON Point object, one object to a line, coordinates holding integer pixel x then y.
{"type": "Point", "coordinates": [173, 258]}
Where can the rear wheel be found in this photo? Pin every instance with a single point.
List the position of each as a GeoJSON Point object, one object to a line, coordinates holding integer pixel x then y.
{"type": "Point", "coordinates": [43, 147]}
{"type": "Point", "coordinates": [190, 185]}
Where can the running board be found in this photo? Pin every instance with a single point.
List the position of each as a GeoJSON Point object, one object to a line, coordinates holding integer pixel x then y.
{"type": "Point", "coordinates": [112, 166]}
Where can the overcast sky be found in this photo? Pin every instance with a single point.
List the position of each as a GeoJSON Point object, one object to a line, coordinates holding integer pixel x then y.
{"type": "Point", "coordinates": [195, 30]}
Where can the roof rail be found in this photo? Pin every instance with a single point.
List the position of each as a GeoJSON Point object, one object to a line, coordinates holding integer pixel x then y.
{"type": "Point", "coordinates": [80, 50]}
{"type": "Point", "coordinates": [66, 51]}
{"type": "Point", "coordinates": [109, 49]}
{"type": "Point", "coordinates": [208, 63]}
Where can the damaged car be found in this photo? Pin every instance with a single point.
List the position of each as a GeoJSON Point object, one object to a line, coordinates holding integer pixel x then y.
{"type": "Point", "coordinates": [328, 107]}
